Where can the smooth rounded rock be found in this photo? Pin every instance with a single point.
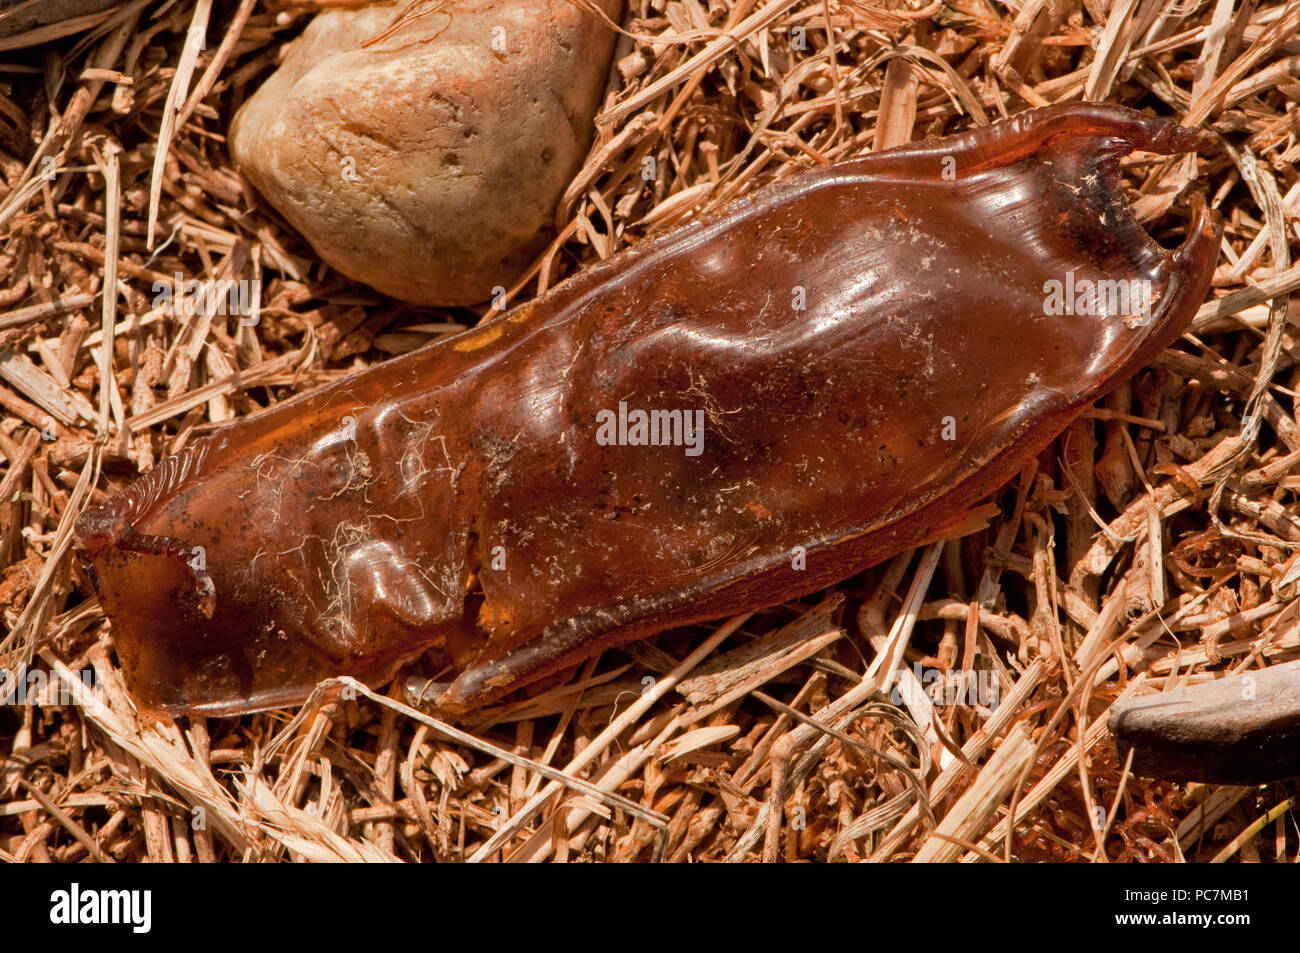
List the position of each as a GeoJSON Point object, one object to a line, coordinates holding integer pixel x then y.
{"type": "Point", "coordinates": [424, 155]}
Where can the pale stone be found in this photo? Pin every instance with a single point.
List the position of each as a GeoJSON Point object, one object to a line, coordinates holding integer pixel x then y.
{"type": "Point", "coordinates": [427, 162]}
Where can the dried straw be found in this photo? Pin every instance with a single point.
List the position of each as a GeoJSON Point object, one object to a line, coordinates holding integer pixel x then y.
{"type": "Point", "coordinates": [1155, 543]}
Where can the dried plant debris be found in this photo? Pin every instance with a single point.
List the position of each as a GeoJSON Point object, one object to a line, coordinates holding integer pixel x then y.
{"type": "Point", "coordinates": [951, 704]}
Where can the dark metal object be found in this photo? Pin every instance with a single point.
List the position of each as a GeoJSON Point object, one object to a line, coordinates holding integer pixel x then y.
{"type": "Point", "coordinates": [19, 16]}
{"type": "Point", "coordinates": [1241, 729]}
